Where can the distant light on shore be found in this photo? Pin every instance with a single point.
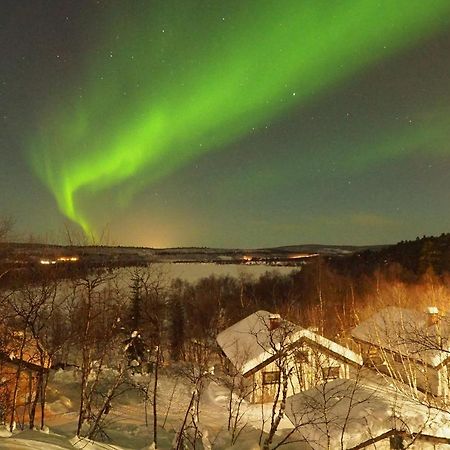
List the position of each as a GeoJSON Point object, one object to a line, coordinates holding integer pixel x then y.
{"type": "Point", "coordinates": [60, 259]}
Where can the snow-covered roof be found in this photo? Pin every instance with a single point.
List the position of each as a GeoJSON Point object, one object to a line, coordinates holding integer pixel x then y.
{"type": "Point", "coordinates": [407, 332]}
{"type": "Point", "coordinates": [19, 349]}
{"type": "Point", "coordinates": [350, 413]}
{"type": "Point", "coordinates": [331, 346]}
{"type": "Point", "coordinates": [250, 342]}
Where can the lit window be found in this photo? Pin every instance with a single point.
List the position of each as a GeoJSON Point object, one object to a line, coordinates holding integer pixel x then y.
{"type": "Point", "coordinates": [396, 442]}
{"type": "Point", "coordinates": [271, 377]}
{"type": "Point", "coordinates": [330, 373]}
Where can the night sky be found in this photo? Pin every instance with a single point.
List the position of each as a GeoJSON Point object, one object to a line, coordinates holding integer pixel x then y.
{"type": "Point", "coordinates": [226, 123]}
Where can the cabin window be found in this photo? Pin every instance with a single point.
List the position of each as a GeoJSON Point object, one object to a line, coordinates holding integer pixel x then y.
{"type": "Point", "coordinates": [373, 352]}
{"type": "Point", "coordinates": [396, 442]}
{"type": "Point", "coordinates": [271, 377]}
{"type": "Point", "coordinates": [330, 373]}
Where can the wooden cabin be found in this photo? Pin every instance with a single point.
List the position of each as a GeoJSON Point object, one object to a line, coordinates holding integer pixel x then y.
{"type": "Point", "coordinates": [21, 365]}
{"type": "Point", "coordinates": [409, 346]}
{"type": "Point", "coordinates": [266, 350]}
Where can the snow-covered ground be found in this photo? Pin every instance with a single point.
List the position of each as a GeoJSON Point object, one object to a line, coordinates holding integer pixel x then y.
{"type": "Point", "coordinates": [347, 413]}
{"type": "Point", "coordinates": [126, 423]}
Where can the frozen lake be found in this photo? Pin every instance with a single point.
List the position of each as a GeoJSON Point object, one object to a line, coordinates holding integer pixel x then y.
{"type": "Point", "coordinates": [194, 271]}
{"type": "Point", "coordinates": [190, 272]}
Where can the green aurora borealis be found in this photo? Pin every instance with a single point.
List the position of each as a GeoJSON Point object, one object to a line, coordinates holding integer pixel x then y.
{"type": "Point", "coordinates": [162, 84]}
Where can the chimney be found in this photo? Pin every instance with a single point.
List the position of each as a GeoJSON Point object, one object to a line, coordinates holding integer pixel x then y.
{"type": "Point", "coordinates": [432, 315]}
{"type": "Point", "coordinates": [274, 321]}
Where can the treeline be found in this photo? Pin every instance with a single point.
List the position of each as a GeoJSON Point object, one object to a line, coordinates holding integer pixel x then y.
{"type": "Point", "coordinates": [329, 293]}
{"type": "Point", "coordinates": [413, 258]}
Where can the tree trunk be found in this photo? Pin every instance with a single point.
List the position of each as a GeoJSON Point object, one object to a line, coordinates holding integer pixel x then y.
{"type": "Point", "coordinates": [44, 399]}
{"type": "Point", "coordinates": [183, 425]}
{"type": "Point", "coordinates": [35, 401]}
{"type": "Point", "coordinates": [16, 385]}
{"type": "Point", "coordinates": [85, 369]}
{"type": "Point", "coordinates": [276, 422]}
{"type": "Point", "coordinates": [106, 405]}
{"type": "Point", "coordinates": [155, 392]}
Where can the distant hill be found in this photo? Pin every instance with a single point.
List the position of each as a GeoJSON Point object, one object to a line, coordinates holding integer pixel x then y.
{"type": "Point", "coordinates": [327, 249]}
{"type": "Point", "coordinates": [33, 252]}
{"type": "Point", "coordinates": [414, 256]}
